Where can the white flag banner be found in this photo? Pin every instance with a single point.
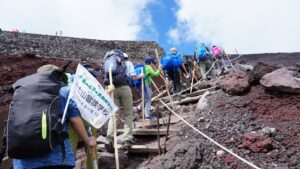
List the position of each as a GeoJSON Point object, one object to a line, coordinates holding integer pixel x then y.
{"type": "Point", "coordinates": [93, 102]}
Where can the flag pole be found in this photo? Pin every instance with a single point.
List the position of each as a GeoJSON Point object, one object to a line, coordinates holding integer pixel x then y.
{"type": "Point", "coordinates": [114, 122]}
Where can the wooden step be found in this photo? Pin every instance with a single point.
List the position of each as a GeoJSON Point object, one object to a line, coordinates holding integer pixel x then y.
{"type": "Point", "coordinates": [135, 148]}
{"type": "Point", "coordinates": [149, 132]}
{"type": "Point", "coordinates": [162, 121]}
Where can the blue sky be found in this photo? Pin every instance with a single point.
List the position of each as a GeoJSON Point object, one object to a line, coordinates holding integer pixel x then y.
{"type": "Point", "coordinates": [249, 26]}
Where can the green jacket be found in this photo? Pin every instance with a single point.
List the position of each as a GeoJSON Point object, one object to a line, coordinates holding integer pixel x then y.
{"type": "Point", "coordinates": [149, 73]}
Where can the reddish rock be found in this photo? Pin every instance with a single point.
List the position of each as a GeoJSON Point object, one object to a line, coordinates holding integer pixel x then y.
{"type": "Point", "coordinates": [235, 83]}
{"type": "Point", "coordinates": [256, 142]}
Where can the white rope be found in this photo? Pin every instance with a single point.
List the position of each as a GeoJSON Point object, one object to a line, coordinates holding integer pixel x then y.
{"type": "Point", "coordinates": [236, 58]}
{"type": "Point", "coordinates": [224, 148]}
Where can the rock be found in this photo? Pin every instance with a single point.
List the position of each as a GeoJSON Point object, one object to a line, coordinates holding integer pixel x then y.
{"type": "Point", "coordinates": [220, 153]}
{"type": "Point", "coordinates": [259, 70]}
{"type": "Point", "coordinates": [256, 142]}
{"type": "Point", "coordinates": [268, 131]}
{"type": "Point", "coordinates": [202, 103]}
{"type": "Point", "coordinates": [286, 80]}
{"type": "Point", "coordinates": [235, 83]}
{"type": "Point", "coordinates": [243, 67]}
{"type": "Point", "coordinates": [279, 137]}
{"type": "Point", "coordinates": [107, 160]}
{"type": "Point", "coordinates": [229, 159]}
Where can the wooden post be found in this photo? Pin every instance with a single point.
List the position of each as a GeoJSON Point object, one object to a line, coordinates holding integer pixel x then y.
{"type": "Point", "coordinates": [171, 100]}
{"type": "Point", "coordinates": [114, 122]}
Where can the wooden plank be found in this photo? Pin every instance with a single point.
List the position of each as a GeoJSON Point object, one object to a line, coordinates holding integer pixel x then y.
{"type": "Point", "coordinates": [162, 121]}
{"type": "Point", "coordinates": [148, 132]}
{"type": "Point", "coordinates": [134, 148]}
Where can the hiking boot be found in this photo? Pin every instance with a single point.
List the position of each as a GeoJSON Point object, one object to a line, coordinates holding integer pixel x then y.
{"type": "Point", "coordinates": [109, 145]}
{"type": "Point", "coordinates": [127, 144]}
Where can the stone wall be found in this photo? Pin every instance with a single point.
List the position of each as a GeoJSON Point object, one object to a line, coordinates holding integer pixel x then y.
{"type": "Point", "coordinates": [72, 48]}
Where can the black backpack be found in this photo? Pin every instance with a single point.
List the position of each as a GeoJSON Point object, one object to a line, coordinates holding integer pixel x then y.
{"type": "Point", "coordinates": [116, 59]}
{"type": "Point", "coordinates": [34, 122]}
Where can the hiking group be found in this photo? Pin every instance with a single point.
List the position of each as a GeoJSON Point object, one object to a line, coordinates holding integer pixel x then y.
{"type": "Point", "coordinates": [36, 136]}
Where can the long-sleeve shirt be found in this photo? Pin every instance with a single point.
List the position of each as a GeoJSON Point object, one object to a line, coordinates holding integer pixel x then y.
{"type": "Point", "coordinates": [149, 73]}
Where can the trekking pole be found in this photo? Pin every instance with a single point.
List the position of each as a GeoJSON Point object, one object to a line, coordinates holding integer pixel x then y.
{"type": "Point", "coordinates": [93, 151]}
{"type": "Point", "coordinates": [172, 105]}
{"type": "Point", "coordinates": [153, 83]}
{"type": "Point", "coordinates": [143, 101]}
{"type": "Point", "coordinates": [193, 77]}
{"type": "Point", "coordinates": [114, 122]}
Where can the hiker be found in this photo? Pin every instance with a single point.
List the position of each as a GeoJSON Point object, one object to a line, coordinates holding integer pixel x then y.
{"type": "Point", "coordinates": [149, 73]}
{"type": "Point", "coordinates": [122, 71]}
{"type": "Point", "coordinates": [219, 55]}
{"type": "Point", "coordinates": [75, 140]}
{"type": "Point", "coordinates": [171, 64]}
{"type": "Point", "coordinates": [61, 156]}
{"type": "Point", "coordinates": [203, 58]}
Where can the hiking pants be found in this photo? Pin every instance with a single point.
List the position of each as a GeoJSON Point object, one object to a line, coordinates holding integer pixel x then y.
{"type": "Point", "coordinates": [221, 64]}
{"type": "Point", "coordinates": [174, 74]}
{"type": "Point", "coordinates": [147, 99]}
{"type": "Point", "coordinates": [123, 98]}
{"type": "Point", "coordinates": [204, 67]}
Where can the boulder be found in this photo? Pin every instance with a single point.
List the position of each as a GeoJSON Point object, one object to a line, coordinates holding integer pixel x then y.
{"type": "Point", "coordinates": [235, 83]}
{"type": "Point", "coordinates": [285, 80]}
{"type": "Point", "coordinates": [259, 70]}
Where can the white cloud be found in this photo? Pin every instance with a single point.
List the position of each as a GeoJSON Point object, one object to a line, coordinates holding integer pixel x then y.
{"type": "Point", "coordinates": [96, 19]}
{"type": "Point", "coordinates": [252, 26]}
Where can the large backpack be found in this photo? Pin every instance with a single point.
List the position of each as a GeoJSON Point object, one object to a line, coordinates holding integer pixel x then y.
{"type": "Point", "coordinates": [202, 54]}
{"type": "Point", "coordinates": [217, 52]}
{"type": "Point", "coordinates": [34, 122]}
{"type": "Point", "coordinates": [138, 70]}
{"type": "Point", "coordinates": [171, 61]}
{"type": "Point", "coordinates": [115, 58]}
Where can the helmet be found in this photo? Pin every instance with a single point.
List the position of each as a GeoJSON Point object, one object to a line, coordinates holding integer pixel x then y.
{"type": "Point", "coordinates": [149, 60]}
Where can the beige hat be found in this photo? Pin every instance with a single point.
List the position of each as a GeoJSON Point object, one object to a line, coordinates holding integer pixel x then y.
{"type": "Point", "coordinates": [173, 50]}
{"type": "Point", "coordinates": [48, 67]}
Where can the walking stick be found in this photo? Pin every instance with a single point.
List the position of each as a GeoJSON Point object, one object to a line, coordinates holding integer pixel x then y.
{"type": "Point", "coordinates": [143, 101]}
{"type": "Point", "coordinates": [114, 122]}
{"type": "Point", "coordinates": [93, 151]}
{"type": "Point", "coordinates": [171, 100]}
{"type": "Point", "coordinates": [193, 77]}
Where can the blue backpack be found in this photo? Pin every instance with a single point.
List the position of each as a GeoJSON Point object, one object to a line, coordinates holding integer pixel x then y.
{"type": "Point", "coordinates": [202, 53]}
{"type": "Point", "coordinates": [171, 61]}
{"type": "Point", "coordinates": [138, 70]}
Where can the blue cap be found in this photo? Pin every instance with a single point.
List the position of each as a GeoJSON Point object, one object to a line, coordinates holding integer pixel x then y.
{"type": "Point", "coordinates": [150, 59]}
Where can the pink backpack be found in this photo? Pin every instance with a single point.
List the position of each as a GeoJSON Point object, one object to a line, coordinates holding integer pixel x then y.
{"type": "Point", "coordinates": [216, 51]}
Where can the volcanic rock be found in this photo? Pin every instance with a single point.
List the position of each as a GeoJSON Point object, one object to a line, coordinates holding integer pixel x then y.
{"type": "Point", "coordinates": [235, 83]}
{"type": "Point", "coordinates": [259, 70]}
{"type": "Point", "coordinates": [286, 80]}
